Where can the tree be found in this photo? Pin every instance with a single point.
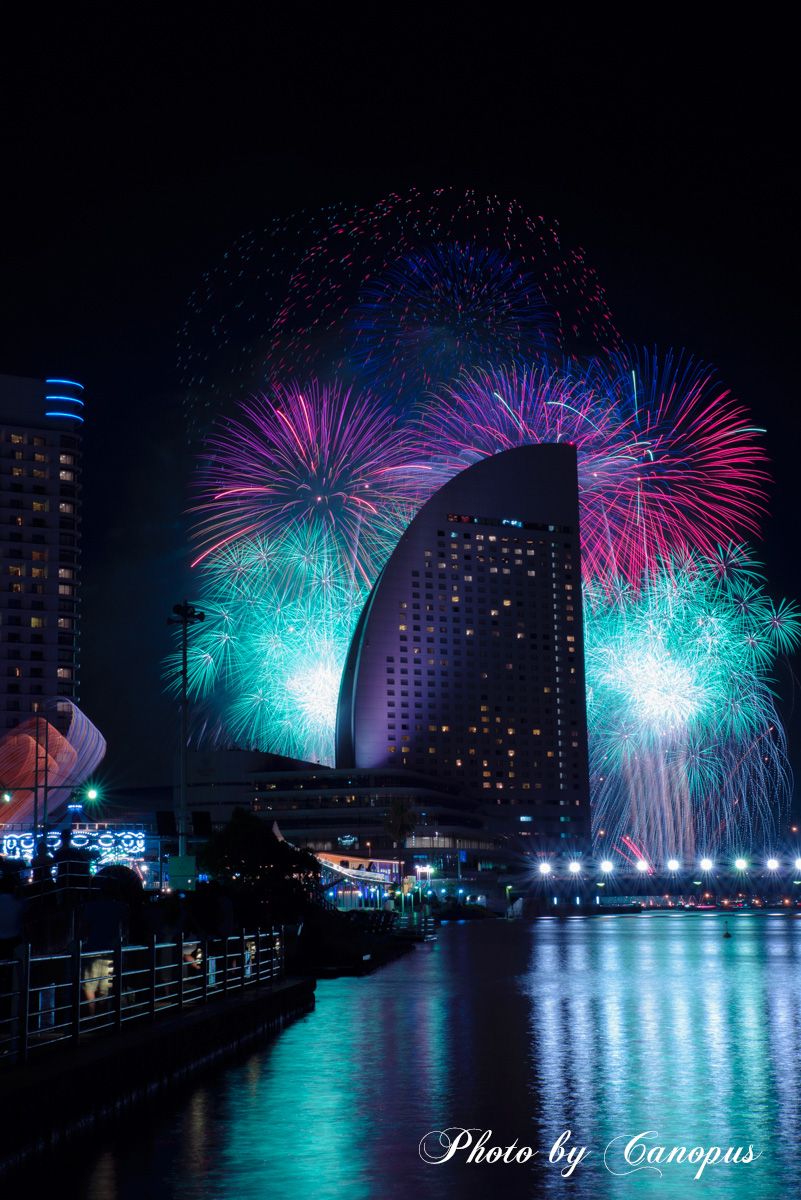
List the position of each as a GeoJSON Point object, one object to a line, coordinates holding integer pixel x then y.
{"type": "Point", "coordinates": [247, 856]}
{"type": "Point", "coordinates": [399, 821]}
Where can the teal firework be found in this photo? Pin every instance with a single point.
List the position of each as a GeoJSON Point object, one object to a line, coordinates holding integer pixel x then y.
{"type": "Point", "coordinates": [686, 748]}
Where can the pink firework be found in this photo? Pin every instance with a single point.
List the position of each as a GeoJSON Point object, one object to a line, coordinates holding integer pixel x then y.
{"type": "Point", "coordinates": [326, 460]}
{"type": "Point", "coordinates": [667, 461]}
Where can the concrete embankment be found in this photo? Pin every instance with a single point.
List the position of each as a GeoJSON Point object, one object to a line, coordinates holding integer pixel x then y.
{"type": "Point", "coordinates": [54, 1101]}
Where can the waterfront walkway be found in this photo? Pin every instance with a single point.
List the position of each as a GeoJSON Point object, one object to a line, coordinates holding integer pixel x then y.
{"type": "Point", "coordinates": [57, 1000]}
{"type": "Point", "coordinates": [69, 1064]}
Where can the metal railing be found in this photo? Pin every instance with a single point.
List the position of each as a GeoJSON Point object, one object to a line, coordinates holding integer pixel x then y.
{"type": "Point", "coordinates": [60, 999]}
{"type": "Point", "coordinates": [421, 923]}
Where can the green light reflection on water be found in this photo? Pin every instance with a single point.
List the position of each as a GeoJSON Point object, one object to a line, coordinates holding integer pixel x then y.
{"type": "Point", "coordinates": [604, 1026]}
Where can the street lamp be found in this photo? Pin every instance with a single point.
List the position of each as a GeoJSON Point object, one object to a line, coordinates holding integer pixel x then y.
{"type": "Point", "coordinates": [185, 615]}
{"type": "Point", "coordinates": [423, 870]}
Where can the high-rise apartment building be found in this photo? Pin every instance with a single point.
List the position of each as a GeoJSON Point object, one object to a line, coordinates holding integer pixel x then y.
{"type": "Point", "coordinates": [40, 464]}
{"type": "Point", "coordinates": [467, 662]}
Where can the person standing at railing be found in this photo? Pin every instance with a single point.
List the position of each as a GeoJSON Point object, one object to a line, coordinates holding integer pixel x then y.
{"type": "Point", "coordinates": [42, 867]}
{"type": "Point", "coordinates": [72, 864]}
{"type": "Point", "coordinates": [105, 923]}
{"type": "Point", "coordinates": [12, 911]}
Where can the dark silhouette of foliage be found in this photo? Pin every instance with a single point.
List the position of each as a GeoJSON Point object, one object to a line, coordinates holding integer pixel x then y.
{"type": "Point", "coordinates": [399, 821]}
{"type": "Point", "coordinates": [247, 856]}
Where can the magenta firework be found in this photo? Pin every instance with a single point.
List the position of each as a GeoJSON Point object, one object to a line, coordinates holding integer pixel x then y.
{"type": "Point", "coordinates": [667, 460]}
{"type": "Point", "coordinates": [284, 300]}
{"type": "Point", "coordinates": [325, 462]}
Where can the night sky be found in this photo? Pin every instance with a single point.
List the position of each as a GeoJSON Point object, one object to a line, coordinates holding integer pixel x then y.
{"type": "Point", "coordinates": [139, 142]}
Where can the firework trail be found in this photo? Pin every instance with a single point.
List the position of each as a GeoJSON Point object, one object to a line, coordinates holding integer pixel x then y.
{"type": "Point", "coordinates": [430, 331]}
{"type": "Point", "coordinates": [665, 465]}
{"type": "Point", "coordinates": [440, 310]}
{"type": "Point", "coordinates": [264, 666]}
{"type": "Point", "coordinates": [282, 301]}
{"type": "Point", "coordinates": [686, 750]}
{"type": "Point", "coordinates": [329, 464]}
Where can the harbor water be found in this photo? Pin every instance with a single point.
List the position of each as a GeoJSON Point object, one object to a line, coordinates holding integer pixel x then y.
{"type": "Point", "coordinates": [630, 1032]}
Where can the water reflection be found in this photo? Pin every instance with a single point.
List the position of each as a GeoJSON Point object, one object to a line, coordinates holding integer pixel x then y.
{"type": "Point", "coordinates": [605, 1026]}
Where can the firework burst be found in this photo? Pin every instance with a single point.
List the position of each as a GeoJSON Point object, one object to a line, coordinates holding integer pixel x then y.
{"type": "Point", "coordinates": [663, 468]}
{"type": "Point", "coordinates": [264, 666]}
{"type": "Point", "coordinates": [281, 301]}
{"type": "Point", "coordinates": [439, 310]}
{"type": "Point", "coordinates": [685, 743]}
{"type": "Point", "coordinates": [327, 464]}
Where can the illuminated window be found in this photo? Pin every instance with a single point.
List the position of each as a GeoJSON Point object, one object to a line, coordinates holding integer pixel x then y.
{"type": "Point", "coordinates": [37, 622]}
{"type": "Point", "coordinates": [66, 589]}
{"type": "Point", "coordinates": [40, 506]}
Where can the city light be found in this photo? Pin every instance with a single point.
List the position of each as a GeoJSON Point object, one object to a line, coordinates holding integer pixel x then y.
{"type": "Point", "coordinates": [798, 864]}
{"type": "Point", "coordinates": [706, 864]}
{"type": "Point", "coordinates": [545, 868]}
{"type": "Point", "coordinates": [740, 864]}
{"type": "Point", "coordinates": [773, 864]}
{"type": "Point", "coordinates": [642, 865]}
{"type": "Point", "coordinates": [575, 867]}
{"type": "Point", "coordinates": [606, 866]}
{"type": "Point", "coordinates": [673, 864]}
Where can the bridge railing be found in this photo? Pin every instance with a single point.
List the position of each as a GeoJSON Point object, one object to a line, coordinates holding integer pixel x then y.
{"type": "Point", "coordinates": [60, 999]}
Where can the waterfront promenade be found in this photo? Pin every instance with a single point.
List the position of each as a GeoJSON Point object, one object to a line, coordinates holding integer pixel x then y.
{"type": "Point", "coordinates": [69, 1065]}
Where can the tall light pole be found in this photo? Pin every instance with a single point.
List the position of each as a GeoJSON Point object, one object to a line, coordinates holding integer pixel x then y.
{"type": "Point", "coordinates": [185, 615]}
